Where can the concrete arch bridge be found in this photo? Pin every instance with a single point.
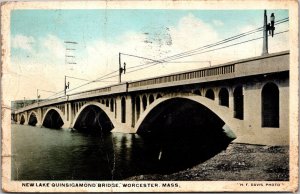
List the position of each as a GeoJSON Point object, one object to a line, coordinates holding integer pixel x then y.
{"type": "Point", "coordinates": [248, 99]}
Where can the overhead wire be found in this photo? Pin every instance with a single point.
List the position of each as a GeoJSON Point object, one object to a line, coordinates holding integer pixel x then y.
{"type": "Point", "coordinates": [212, 50]}
{"type": "Point", "coordinates": [210, 45]}
{"type": "Point", "coordinates": [185, 56]}
{"type": "Point", "coordinates": [181, 55]}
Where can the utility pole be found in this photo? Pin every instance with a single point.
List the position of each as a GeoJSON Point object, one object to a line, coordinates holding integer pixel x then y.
{"type": "Point", "coordinates": [121, 70]}
{"type": "Point", "coordinates": [265, 35]}
{"type": "Point", "coordinates": [267, 27]}
{"type": "Point", "coordinates": [37, 95]}
{"type": "Point", "coordinates": [66, 85]}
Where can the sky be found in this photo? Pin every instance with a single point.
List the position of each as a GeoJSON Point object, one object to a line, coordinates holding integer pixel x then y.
{"type": "Point", "coordinates": [38, 49]}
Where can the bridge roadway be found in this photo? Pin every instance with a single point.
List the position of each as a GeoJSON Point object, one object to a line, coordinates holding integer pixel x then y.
{"type": "Point", "coordinates": [250, 95]}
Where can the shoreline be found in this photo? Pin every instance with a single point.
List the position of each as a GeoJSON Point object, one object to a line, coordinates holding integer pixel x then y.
{"type": "Point", "coordinates": [239, 162]}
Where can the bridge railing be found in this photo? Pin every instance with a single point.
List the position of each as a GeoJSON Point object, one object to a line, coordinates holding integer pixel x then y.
{"type": "Point", "coordinates": [89, 93]}
{"type": "Point", "coordinates": [226, 69]}
{"type": "Point", "coordinates": [245, 67]}
{"type": "Point", "coordinates": [74, 96]}
{"type": "Point", "coordinates": [41, 103]}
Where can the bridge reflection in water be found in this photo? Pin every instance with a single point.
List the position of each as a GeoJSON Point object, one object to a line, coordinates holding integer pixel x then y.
{"type": "Point", "coordinates": [178, 135]}
{"type": "Point", "coordinates": [180, 119]}
{"type": "Point", "coordinates": [250, 95]}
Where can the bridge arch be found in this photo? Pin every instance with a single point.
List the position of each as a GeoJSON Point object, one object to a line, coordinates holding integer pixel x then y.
{"type": "Point", "coordinates": [107, 103]}
{"type": "Point", "coordinates": [22, 119]}
{"type": "Point", "coordinates": [123, 109]}
{"type": "Point", "coordinates": [33, 118]}
{"type": "Point", "coordinates": [112, 105]}
{"type": "Point", "coordinates": [151, 98]}
{"type": "Point", "coordinates": [144, 101]}
{"type": "Point", "coordinates": [181, 126]}
{"type": "Point", "coordinates": [223, 112]}
{"type": "Point", "coordinates": [197, 92]}
{"type": "Point", "coordinates": [138, 107]}
{"type": "Point", "coordinates": [270, 105]}
{"type": "Point", "coordinates": [53, 118]}
{"type": "Point", "coordinates": [238, 102]}
{"type": "Point", "coordinates": [109, 116]}
{"type": "Point", "coordinates": [224, 97]}
{"type": "Point", "coordinates": [210, 94]}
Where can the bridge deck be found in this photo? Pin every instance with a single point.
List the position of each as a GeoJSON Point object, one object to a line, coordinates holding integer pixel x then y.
{"type": "Point", "coordinates": [272, 63]}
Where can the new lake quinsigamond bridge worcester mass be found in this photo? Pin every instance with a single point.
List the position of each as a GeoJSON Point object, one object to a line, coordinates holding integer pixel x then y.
{"type": "Point", "coordinates": [226, 122]}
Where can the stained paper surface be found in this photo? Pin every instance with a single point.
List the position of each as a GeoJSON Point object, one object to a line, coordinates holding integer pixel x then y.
{"type": "Point", "coordinates": [149, 96]}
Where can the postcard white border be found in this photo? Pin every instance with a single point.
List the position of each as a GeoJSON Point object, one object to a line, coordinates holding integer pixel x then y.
{"type": "Point", "coordinates": [185, 186]}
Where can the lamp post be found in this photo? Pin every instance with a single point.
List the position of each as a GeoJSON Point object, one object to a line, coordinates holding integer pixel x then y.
{"type": "Point", "coordinates": [272, 28]}
{"type": "Point", "coordinates": [121, 70]}
{"type": "Point", "coordinates": [66, 85]}
{"type": "Point", "coordinates": [37, 96]}
{"type": "Point", "coordinates": [268, 27]}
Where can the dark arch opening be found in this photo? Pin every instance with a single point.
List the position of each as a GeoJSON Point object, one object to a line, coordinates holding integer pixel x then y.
{"type": "Point", "coordinates": [151, 98]}
{"type": "Point", "coordinates": [112, 105]}
{"type": "Point", "coordinates": [94, 120]}
{"type": "Point", "coordinates": [210, 94]}
{"type": "Point", "coordinates": [270, 105]}
{"type": "Point", "coordinates": [123, 110]}
{"type": "Point", "coordinates": [133, 111]}
{"type": "Point", "coordinates": [197, 92]}
{"type": "Point", "coordinates": [238, 104]}
{"type": "Point", "coordinates": [138, 107]}
{"type": "Point", "coordinates": [158, 96]}
{"type": "Point", "coordinates": [22, 121]}
{"type": "Point", "coordinates": [53, 120]}
{"type": "Point", "coordinates": [144, 100]}
{"type": "Point", "coordinates": [102, 101]}
{"type": "Point", "coordinates": [32, 120]}
{"type": "Point", "coordinates": [224, 97]}
{"type": "Point", "coordinates": [107, 103]}
{"type": "Point", "coordinates": [182, 133]}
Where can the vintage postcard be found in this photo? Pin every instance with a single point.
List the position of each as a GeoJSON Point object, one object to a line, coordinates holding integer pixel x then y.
{"type": "Point", "coordinates": [149, 96]}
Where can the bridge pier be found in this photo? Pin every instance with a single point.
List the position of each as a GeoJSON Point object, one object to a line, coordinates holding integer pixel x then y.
{"type": "Point", "coordinates": [68, 116]}
{"type": "Point", "coordinates": [124, 114]}
{"type": "Point", "coordinates": [39, 117]}
{"type": "Point", "coordinates": [231, 99]}
{"type": "Point", "coordinates": [241, 92]}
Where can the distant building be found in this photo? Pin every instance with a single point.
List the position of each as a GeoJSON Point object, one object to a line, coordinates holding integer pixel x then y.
{"type": "Point", "coordinates": [21, 103]}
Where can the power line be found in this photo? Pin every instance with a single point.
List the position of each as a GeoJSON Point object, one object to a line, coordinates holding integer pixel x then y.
{"type": "Point", "coordinates": [46, 91]}
{"type": "Point", "coordinates": [136, 56]}
{"type": "Point", "coordinates": [211, 50]}
{"type": "Point", "coordinates": [177, 56]}
{"type": "Point", "coordinates": [228, 39]}
{"type": "Point", "coordinates": [82, 84]}
{"type": "Point", "coordinates": [151, 64]}
{"type": "Point", "coordinates": [201, 48]}
{"type": "Point", "coordinates": [96, 80]}
{"type": "Point", "coordinates": [85, 79]}
{"type": "Point", "coordinates": [185, 54]}
{"type": "Point", "coordinates": [55, 94]}
{"type": "Point", "coordinates": [131, 55]}
{"type": "Point", "coordinates": [206, 46]}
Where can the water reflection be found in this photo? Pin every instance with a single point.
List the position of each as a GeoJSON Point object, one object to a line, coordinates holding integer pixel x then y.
{"type": "Point", "coordinates": [181, 134]}
{"type": "Point", "coordinates": [45, 154]}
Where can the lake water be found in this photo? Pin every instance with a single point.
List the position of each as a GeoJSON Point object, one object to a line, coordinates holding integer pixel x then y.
{"type": "Point", "coordinates": [49, 154]}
